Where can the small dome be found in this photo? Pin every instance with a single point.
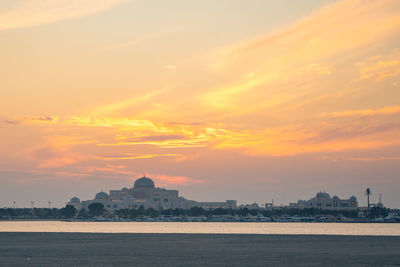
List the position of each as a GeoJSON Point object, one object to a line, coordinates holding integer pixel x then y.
{"type": "Point", "coordinates": [124, 189]}
{"type": "Point", "coordinates": [75, 200]}
{"type": "Point", "coordinates": [101, 195]}
{"type": "Point", "coordinates": [144, 182]}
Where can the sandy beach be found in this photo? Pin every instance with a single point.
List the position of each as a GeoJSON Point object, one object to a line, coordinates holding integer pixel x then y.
{"type": "Point", "coordinates": [79, 249]}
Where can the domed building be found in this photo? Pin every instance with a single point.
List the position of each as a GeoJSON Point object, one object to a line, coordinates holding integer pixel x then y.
{"type": "Point", "coordinates": [323, 200]}
{"type": "Point", "coordinates": [144, 183]}
{"type": "Point", "coordinates": [323, 196]}
{"type": "Point", "coordinates": [101, 195]}
{"type": "Point", "coordinates": [145, 194]}
{"type": "Point", "coordinates": [75, 200]}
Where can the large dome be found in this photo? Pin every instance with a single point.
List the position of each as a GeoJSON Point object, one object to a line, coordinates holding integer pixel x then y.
{"type": "Point", "coordinates": [323, 195]}
{"type": "Point", "coordinates": [144, 182]}
{"type": "Point", "coordinates": [101, 195]}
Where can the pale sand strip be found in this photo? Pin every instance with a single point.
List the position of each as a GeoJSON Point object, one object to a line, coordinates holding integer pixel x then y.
{"type": "Point", "coordinates": [74, 249]}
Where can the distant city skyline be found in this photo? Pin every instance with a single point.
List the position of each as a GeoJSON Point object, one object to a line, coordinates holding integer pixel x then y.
{"type": "Point", "coordinates": [255, 100]}
{"type": "Point", "coordinates": [115, 194]}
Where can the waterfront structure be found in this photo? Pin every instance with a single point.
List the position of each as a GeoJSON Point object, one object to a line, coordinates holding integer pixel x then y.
{"type": "Point", "coordinates": [253, 206]}
{"type": "Point", "coordinates": [323, 200]}
{"type": "Point", "coordinates": [379, 204]}
{"type": "Point", "coordinates": [145, 194]}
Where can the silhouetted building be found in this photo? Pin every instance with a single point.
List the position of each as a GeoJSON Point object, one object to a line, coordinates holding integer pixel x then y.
{"type": "Point", "coordinates": [145, 194]}
{"type": "Point", "coordinates": [324, 201]}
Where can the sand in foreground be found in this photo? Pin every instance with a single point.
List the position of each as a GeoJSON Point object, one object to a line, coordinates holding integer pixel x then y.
{"type": "Point", "coordinates": [66, 249]}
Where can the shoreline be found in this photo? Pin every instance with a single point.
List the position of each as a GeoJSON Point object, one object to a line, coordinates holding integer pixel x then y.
{"type": "Point", "coordinates": [209, 234]}
{"type": "Point", "coordinates": [106, 249]}
{"type": "Point", "coordinates": [139, 221]}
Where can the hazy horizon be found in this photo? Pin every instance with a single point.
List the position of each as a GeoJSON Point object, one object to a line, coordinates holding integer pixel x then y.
{"type": "Point", "coordinates": [247, 100]}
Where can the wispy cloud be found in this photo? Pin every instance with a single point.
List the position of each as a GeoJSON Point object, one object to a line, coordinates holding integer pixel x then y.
{"type": "Point", "coordinates": [293, 92]}
{"type": "Point", "coordinates": [32, 120]}
{"type": "Point", "coordinates": [118, 107]}
{"type": "Point", "coordinates": [151, 36]}
{"type": "Point", "coordinates": [165, 180]}
{"type": "Point", "coordinates": [39, 119]}
{"type": "Point", "coordinates": [321, 35]}
{"type": "Point", "coordinates": [10, 122]}
{"type": "Point", "coordinates": [315, 68]}
{"type": "Point", "coordinates": [56, 151]}
{"type": "Point", "coordinates": [170, 67]}
{"type": "Point", "coordinates": [380, 67]}
{"type": "Point", "coordinates": [31, 13]}
{"type": "Point", "coordinates": [157, 138]}
{"type": "Point", "coordinates": [318, 45]}
{"type": "Point", "coordinates": [369, 159]}
{"type": "Point", "coordinates": [363, 112]}
{"type": "Point", "coordinates": [134, 156]}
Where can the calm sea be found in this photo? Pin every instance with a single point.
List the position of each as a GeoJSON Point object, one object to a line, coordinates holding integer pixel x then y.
{"type": "Point", "coordinates": [385, 229]}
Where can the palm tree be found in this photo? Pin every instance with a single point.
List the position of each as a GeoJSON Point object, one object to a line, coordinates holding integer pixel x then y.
{"type": "Point", "coordinates": [368, 193]}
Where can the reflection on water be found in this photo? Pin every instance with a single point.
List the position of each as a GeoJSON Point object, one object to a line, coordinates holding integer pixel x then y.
{"type": "Point", "coordinates": [203, 227]}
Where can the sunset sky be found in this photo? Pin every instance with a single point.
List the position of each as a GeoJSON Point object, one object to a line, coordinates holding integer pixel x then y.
{"type": "Point", "coordinates": [249, 100]}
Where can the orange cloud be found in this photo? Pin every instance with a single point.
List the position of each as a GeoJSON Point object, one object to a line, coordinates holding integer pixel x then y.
{"type": "Point", "coordinates": [272, 95]}
{"type": "Point", "coordinates": [61, 160]}
{"type": "Point", "coordinates": [109, 168]}
{"type": "Point", "coordinates": [315, 136]}
{"type": "Point", "coordinates": [56, 151]}
{"type": "Point", "coordinates": [134, 156]}
{"type": "Point", "coordinates": [164, 180]}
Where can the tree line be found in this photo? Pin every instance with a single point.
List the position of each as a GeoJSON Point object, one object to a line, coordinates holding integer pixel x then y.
{"type": "Point", "coordinates": [97, 209]}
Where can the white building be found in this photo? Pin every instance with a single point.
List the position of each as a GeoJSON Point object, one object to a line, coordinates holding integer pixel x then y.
{"type": "Point", "coordinates": [145, 194]}
{"type": "Point", "coordinates": [324, 201]}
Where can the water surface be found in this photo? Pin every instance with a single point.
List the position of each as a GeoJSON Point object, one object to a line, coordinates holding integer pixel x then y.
{"type": "Point", "coordinates": [383, 229]}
